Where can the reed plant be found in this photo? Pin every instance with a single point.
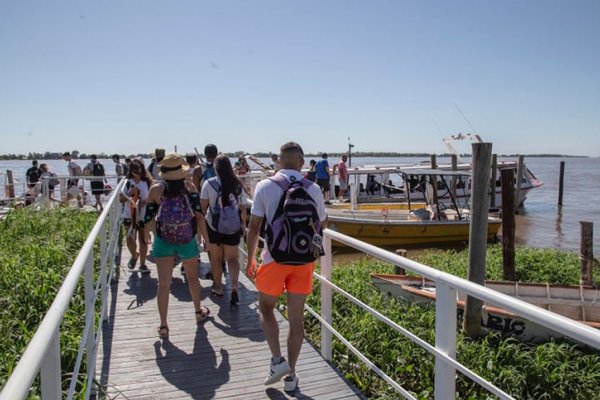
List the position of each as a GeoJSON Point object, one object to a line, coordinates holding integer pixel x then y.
{"type": "Point", "coordinates": [551, 370]}
{"type": "Point", "coordinates": [37, 249]}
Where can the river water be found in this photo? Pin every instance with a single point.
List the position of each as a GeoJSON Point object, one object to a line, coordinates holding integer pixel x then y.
{"type": "Point", "coordinates": [540, 223]}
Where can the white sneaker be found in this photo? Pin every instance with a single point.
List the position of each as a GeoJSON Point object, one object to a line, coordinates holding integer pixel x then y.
{"type": "Point", "coordinates": [277, 371]}
{"type": "Point", "coordinates": [290, 384]}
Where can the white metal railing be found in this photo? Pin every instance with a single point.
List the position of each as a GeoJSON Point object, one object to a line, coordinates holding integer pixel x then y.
{"type": "Point", "coordinates": [447, 286]}
{"type": "Point", "coordinates": [43, 352]}
{"type": "Point", "coordinates": [40, 190]}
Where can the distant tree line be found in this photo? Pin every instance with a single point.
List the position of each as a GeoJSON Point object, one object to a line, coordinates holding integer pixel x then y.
{"type": "Point", "coordinates": [76, 154]}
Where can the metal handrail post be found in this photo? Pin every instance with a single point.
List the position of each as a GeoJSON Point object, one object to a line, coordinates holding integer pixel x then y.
{"type": "Point", "coordinates": [445, 341]}
{"type": "Point", "coordinates": [90, 342]}
{"type": "Point", "coordinates": [46, 192]}
{"type": "Point", "coordinates": [115, 225]}
{"type": "Point", "coordinates": [50, 370]}
{"type": "Point", "coordinates": [326, 292]}
{"type": "Point", "coordinates": [104, 261]}
{"type": "Point", "coordinates": [331, 187]}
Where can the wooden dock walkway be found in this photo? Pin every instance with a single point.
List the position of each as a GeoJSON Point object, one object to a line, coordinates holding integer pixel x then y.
{"type": "Point", "coordinates": [226, 357]}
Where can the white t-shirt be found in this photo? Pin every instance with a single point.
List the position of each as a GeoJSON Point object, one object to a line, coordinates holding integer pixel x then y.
{"type": "Point", "coordinates": [127, 190]}
{"type": "Point", "coordinates": [209, 193]}
{"type": "Point", "coordinates": [267, 195]}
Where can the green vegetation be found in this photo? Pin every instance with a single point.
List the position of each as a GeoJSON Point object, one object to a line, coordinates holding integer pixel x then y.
{"type": "Point", "coordinates": [531, 265]}
{"type": "Point", "coordinates": [37, 249]}
{"type": "Point", "coordinates": [551, 370]}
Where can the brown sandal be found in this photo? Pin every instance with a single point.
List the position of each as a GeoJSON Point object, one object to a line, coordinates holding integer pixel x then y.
{"type": "Point", "coordinates": [163, 331]}
{"type": "Point", "coordinates": [202, 315]}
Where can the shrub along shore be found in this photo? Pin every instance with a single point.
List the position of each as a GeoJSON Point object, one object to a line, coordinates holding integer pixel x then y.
{"type": "Point", "coordinates": [37, 249]}
{"type": "Point", "coordinates": [555, 369]}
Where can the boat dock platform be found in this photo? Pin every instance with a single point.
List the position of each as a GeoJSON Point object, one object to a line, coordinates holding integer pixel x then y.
{"type": "Point", "coordinates": [225, 357]}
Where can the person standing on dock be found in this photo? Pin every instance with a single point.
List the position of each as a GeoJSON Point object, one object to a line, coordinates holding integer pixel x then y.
{"type": "Point", "coordinates": [342, 171]}
{"type": "Point", "coordinates": [134, 196]}
{"type": "Point", "coordinates": [311, 174]}
{"type": "Point", "coordinates": [126, 166]}
{"type": "Point", "coordinates": [195, 171]}
{"type": "Point", "coordinates": [290, 270]}
{"type": "Point", "coordinates": [208, 171]}
{"type": "Point", "coordinates": [97, 170]}
{"type": "Point", "coordinates": [73, 183]}
{"type": "Point", "coordinates": [174, 201]}
{"type": "Point", "coordinates": [224, 201]}
{"type": "Point", "coordinates": [52, 181]}
{"type": "Point", "coordinates": [33, 175]}
{"type": "Point", "coordinates": [276, 164]}
{"type": "Point", "coordinates": [159, 154]}
{"type": "Point", "coordinates": [323, 176]}
{"type": "Point", "coordinates": [119, 167]}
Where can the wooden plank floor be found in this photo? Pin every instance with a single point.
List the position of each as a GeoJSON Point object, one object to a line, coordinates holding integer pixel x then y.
{"type": "Point", "coordinates": [226, 357]}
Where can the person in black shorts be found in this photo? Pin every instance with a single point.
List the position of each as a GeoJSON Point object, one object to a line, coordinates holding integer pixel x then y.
{"type": "Point", "coordinates": [33, 174]}
{"type": "Point", "coordinates": [219, 192]}
{"type": "Point", "coordinates": [97, 169]}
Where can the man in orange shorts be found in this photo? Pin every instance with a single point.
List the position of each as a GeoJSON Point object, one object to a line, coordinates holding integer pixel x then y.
{"type": "Point", "coordinates": [290, 269]}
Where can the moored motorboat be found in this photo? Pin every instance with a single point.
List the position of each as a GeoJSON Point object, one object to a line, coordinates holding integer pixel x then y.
{"type": "Point", "coordinates": [408, 223]}
{"type": "Point", "coordinates": [580, 303]}
{"type": "Point", "coordinates": [386, 183]}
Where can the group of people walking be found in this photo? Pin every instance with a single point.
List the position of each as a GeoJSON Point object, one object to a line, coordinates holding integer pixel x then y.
{"type": "Point", "coordinates": [175, 206]}
{"type": "Point", "coordinates": [184, 204]}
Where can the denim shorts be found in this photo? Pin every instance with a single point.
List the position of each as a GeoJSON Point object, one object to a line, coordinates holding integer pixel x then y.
{"type": "Point", "coordinates": [183, 251]}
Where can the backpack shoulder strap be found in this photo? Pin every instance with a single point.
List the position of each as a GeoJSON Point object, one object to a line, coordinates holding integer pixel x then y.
{"type": "Point", "coordinates": [281, 181]}
{"type": "Point", "coordinates": [215, 184]}
{"type": "Point", "coordinates": [306, 183]}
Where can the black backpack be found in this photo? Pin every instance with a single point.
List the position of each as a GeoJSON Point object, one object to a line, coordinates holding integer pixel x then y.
{"type": "Point", "coordinates": [293, 235]}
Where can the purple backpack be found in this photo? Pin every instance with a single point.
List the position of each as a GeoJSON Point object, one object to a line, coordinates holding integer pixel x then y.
{"type": "Point", "coordinates": [295, 224]}
{"type": "Point", "coordinates": [225, 219]}
{"type": "Point", "coordinates": [175, 220]}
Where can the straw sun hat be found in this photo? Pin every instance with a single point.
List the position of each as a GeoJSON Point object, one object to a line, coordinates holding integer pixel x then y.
{"type": "Point", "coordinates": [173, 167]}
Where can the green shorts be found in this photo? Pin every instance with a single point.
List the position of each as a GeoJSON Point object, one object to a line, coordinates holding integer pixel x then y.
{"type": "Point", "coordinates": [183, 251]}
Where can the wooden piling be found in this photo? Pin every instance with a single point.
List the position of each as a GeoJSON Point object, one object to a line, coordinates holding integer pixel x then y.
{"type": "Point", "coordinates": [520, 165]}
{"type": "Point", "coordinates": [493, 180]}
{"type": "Point", "coordinates": [399, 270]}
{"type": "Point", "coordinates": [480, 180]}
{"type": "Point", "coordinates": [561, 181]}
{"type": "Point", "coordinates": [586, 256]}
{"type": "Point", "coordinates": [10, 184]}
{"type": "Point", "coordinates": [433, 161]}
{"type": "Point", "coordinates": [508, 223]}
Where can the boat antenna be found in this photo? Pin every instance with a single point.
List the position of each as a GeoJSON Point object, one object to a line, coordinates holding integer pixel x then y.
{"type": "Point", "coordinates": [465, 117]}
{"type": "Point", "coordinates": [350, 146]}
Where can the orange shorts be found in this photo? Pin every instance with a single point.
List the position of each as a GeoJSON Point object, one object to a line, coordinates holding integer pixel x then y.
{"type": "Point", "coordinates": [273, 278]}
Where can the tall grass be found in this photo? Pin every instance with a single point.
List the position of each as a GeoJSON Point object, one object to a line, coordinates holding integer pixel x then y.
{"type": "Point", "coordinates": [37, 249]}
{"type": "Point", "coordinates": [551, 370]}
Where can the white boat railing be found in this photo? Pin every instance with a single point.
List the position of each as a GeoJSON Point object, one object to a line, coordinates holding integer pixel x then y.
{"type": "Point", "coordinates": [43, 353]}
{"type": "Point", "coordinates": [447, 287]}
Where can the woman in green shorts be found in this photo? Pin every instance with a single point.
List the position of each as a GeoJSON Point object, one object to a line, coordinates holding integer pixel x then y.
{"type": "Point", "coordinates": [175, 203]}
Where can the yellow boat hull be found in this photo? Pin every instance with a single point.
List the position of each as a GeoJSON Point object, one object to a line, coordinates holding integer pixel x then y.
{"type": "Point", "coordinates": [407, 233]}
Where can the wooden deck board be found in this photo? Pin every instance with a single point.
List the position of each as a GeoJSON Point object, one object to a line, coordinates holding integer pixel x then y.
{"type": "Point", "coordinates": [226, 357]}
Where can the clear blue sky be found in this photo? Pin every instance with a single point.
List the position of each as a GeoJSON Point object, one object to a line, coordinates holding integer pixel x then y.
{"type": "Point", "coordinates": [129, 76]}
